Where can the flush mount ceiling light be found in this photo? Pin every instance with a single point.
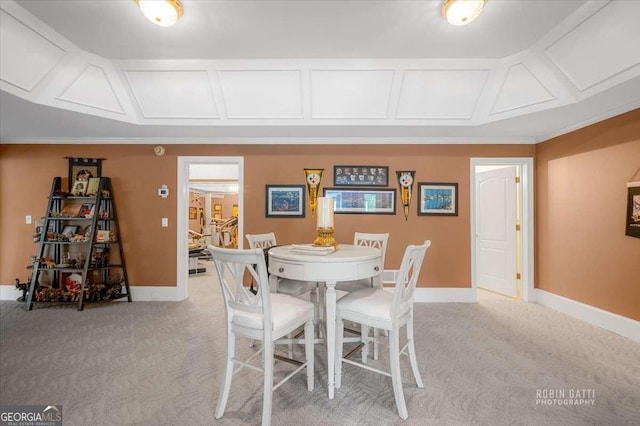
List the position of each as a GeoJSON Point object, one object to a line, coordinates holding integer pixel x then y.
{"type": "Point", "coordinates": [461, 12]}
{"type": "Point", "coordinates": [161, 12]}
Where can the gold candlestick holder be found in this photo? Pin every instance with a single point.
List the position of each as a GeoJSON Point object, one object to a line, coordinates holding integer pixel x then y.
{"type": "Point", "coordinates": [325, 238]}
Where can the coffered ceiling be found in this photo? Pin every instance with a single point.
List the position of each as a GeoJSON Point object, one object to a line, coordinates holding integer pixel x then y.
{"type": "Point", "coordinates": [314, 71]}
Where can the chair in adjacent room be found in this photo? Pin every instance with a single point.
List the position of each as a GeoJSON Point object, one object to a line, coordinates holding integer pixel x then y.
{"type": "Point", "coordinates": [388, 311]}
{"type": "Point", "coordinates": [264, 316]}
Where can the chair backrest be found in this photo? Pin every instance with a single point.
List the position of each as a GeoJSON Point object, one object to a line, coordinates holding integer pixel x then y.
{"type": "Point", "coordinates": [407, 278]}
{"type": "Point", "coordinates": [231, 267]}
{"type": "Point", "coordinates": [378, 241]}
{"type": "Point", "coordinates": [261, 240]}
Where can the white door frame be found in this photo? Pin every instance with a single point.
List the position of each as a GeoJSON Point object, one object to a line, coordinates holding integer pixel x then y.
{"type": "Point", "coordinates": [525, 165]}
{"type": "Point", "coordinates": [182, 273]}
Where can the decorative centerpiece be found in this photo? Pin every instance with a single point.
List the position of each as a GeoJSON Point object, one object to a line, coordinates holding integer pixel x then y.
{"type": "Point", "coordinates": [325, 208]}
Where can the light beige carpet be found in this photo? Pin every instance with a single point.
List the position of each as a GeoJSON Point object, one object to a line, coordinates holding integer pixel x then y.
{"type": "Point", "coordinates": [497, 362]}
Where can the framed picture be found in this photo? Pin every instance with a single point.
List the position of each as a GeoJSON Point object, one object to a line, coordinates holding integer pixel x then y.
{"type": "Point", "coordinates": [437, 199]}
{"type": "Point", "coordinates": [84, 168]}
{"type": "Point", "coordinates": [69, 231]}
{"type": "Point", "coordinates": [93, 186]}
{"type": "Point", "coordinates": [87, 210]}
{"type": "Point", "coordinates": [102, 236]}
{"type": "Point", "coordinates": [217, 207]}
{"type": "Point", "coordinates": [193, 212]}
{"type": "Point", "coordinates": [633, 209]}
{"type": "Point", "coordinates": [217, 216]}
{"type": "Point", "coordinates": [79, 188]}
{"type": "Point", "coordinates": [284, 200]}
{"type": "Point", "coordinates": [361, 176]}
{"type": "Point", "coordinates": [368, 201]}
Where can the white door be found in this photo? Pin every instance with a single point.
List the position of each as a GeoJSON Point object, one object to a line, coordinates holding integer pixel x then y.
{"type": "Point", "coordinates": [496, 230]}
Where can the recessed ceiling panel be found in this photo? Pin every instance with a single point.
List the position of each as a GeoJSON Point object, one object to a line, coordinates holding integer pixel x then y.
{"type": "Point", "coordinates": [93, 89]}
{"type": "Point", "coordinates": [612, 35]}
{"type": "Point", "coordinates": [262, 93]}
{"type": "Point", "coordinates": [173, 94]}
{"type": "Point", "coordinates": [350, 93]}
{"type": "Point", "coordinates": [440, 94]}
{"type": "Point", "coordinates": [520, 89]}
{"type": "Point", "coordinates": [25, 55]}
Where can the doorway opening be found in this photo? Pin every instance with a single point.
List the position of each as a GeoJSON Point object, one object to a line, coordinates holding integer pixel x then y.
{"type": "Point", "coordinates": [211, 176]}
{"type": "Point", "coordinates": [502, 226]}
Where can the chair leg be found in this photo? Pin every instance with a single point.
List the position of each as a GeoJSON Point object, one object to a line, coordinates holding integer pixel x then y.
{"type": "Point", "coordinates": [228, 375]}
{"type": "Point", "coordinates": [396, 377]}
{"type": "Point", "coordinates": [364, 336]}
{"type": "Point", "coordinates": [290, 345]}
{"type": "Point", "coordinates": [376, 333]}
{"type": "Point", "coordinates": [309, 353]}
{"type": "Point", "coordinates": [338, 350]}
{"type": "Point", "coordinates": [412, 354]}
{"type": "Point", "coordinates": [267, 401]}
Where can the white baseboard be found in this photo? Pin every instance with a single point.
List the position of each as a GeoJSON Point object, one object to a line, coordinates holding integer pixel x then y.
{"type": "Point", "coordinates": [155, 294]}
{"type": "Point", "coordinates": [618, 324]}
{"type": "Point", "coordinates": [139, 294]}
{"type": "Point", "coordinates": [9, 292]}
{"type": "Point", "coordinates": [445, 295]}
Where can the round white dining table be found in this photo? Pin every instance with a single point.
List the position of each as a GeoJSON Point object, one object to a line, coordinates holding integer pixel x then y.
{"type": "Point", "coordinates": [347, 263]}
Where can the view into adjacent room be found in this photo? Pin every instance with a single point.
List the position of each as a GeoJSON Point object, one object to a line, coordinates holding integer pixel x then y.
{"type": "Point", "coordinates": [213, 210]}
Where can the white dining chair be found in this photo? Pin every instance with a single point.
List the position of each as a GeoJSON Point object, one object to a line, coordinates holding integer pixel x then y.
{"type": "Point", "coordinates": [280, 285]}
{"type": "Point", "coordinates": [378, 241]}
{"type": "Point", "coordinates": [364, 239]}
{"type": "Point", "coordinates": [386, 311]}
{"type": "Point", "coordinates": [264, 316]}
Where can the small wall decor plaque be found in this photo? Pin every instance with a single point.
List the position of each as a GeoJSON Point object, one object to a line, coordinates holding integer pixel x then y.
{"type": "Point", "coordinates": [360, 175]}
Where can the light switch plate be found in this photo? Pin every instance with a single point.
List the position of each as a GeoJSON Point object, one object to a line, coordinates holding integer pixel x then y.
{"type": "Point", "coordinates": [165, 222]}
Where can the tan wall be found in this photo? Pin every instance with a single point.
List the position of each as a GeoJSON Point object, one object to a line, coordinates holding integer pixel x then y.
{"type": "Point", "coordinates": [26, 172]}
{"type": "Point", "coordinates": [582, 252]}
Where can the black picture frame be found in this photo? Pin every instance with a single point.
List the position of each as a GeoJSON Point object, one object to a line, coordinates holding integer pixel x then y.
{"type": "Point", "coordinates": [360, 175]}
{"type": "Point", "coordinates": [285, 201]}
{"type": "Point", "coordinates": [363, 201]}
{"type": "Point", "coordinates": [633, 210]}
{"type": "Point", "coordinates": [437, 199]}
{"type": "Point", "coordinates": [69, 231]}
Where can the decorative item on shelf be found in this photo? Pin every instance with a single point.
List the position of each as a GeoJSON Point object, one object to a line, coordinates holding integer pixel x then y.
{"type": "Point", "coordinates": [79, 188]}
{"type": "Point", "coordinates": [405, 180]}
{"type": "Point", "coordinates": [325, 226]}
{"type": "Point", "coordinates": [93, 186]}
{"type": "Point", "coordinates": [313, 177]}
{"type": "Point", "coordinates": [86, 210]}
